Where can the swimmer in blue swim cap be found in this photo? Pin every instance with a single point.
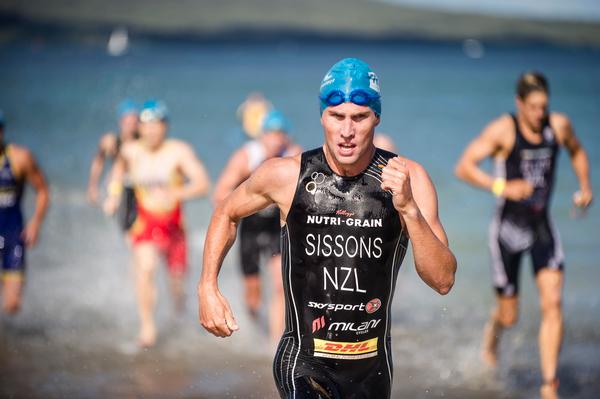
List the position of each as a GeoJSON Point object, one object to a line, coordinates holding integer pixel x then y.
{"type": "Point", "coordinates": [346, 212]}
{"type": "Point", "coordinates": [108, 150]}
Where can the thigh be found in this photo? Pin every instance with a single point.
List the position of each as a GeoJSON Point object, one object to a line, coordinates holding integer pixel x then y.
{"type": "Point", "coordinates": [507, 265]}
{"type": "Point", "coordinates": [249, 250]}
{"type": "Point", "coordinates": [145, 256]}
{"type": "Point", "coordinates": [546, 252]}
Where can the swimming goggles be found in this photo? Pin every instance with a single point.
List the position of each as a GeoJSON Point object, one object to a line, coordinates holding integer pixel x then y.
{"type": "Point", "coordinates": [357, 96]}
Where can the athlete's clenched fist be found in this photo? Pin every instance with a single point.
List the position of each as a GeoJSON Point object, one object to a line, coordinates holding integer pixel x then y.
{"type": "Point", "coordinates": [395, 178]}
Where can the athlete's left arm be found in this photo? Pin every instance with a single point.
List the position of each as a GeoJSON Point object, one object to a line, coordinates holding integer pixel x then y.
{"type": "Point", "coordinates": [579, 159]}
{"type": "Point", "coordinates": [194, 171]}
{"type": "Point", "coordinates": [34, 176]}
{"type": "Point", "coordinates": [415, 199]}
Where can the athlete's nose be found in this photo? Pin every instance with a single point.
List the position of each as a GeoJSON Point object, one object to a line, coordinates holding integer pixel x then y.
{"type": "Point", "coordinates": [347, 129]}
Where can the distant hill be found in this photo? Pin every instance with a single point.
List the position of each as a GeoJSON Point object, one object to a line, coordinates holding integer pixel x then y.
{"type": "Point", "coordinates": [213, 19]}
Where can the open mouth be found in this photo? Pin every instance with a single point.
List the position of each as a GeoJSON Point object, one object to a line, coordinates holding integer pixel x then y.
{"type": "Point", "coordinates": [346, 149]}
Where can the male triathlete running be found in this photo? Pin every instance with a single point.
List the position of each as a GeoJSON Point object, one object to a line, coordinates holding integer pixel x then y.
{"type": "Point", "coordinates": [259, 233]}
{"type": "Point", "coordinates": [17, 167]}
{"type": "Point", "coordinates": [164, 173]}
{"type": "Point", "coordinates": [347, 212]}
{"type": "Point", "coordinates": [525, 148]}
{"type": "Point", "coordinates": [109, 147]}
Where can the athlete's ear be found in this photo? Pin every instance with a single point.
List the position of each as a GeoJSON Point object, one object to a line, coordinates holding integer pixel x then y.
{"type": "Point", "coordinates": [377, 120]}
{"type": "Point", "coordinates": [518, 102]}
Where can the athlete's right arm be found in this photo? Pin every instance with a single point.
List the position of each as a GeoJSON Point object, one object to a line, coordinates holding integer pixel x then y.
{"type": "Point", "coordinates": [115, 182]}
{"type": "Point", "coordinates": [235, 172]}
{"type": "Point", "coordinates": [105, 147]}
{"type": "Point", "coordinates": [274, 182]}
{"type": "Point", "coordinates": [492, 141]}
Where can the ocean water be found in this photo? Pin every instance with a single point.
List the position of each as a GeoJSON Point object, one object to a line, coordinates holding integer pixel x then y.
{"type": "Point", "coordinates": [75, 335]}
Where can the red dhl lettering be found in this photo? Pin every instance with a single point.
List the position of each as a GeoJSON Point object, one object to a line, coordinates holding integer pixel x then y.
{"type": "Point", "coordinates": [345, 347]}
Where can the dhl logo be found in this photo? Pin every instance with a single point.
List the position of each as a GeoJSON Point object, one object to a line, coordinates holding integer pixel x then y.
{"type": "Point", "coordinates": [346, 350]}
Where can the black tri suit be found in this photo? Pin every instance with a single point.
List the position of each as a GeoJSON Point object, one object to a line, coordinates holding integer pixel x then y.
{"type": "Point", "coordinates": [526, 226]}
{"type": "Point", "coordinates": [342, 246]}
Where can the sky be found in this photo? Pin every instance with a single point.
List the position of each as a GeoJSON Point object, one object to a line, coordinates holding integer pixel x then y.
{"type": "Point", "coordinates": [542, 9]}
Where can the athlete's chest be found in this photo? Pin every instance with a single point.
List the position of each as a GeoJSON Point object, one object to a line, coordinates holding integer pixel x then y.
{"type": "Point", "coordinates": [153, 169]}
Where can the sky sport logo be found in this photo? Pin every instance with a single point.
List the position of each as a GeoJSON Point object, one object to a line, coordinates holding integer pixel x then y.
{"type": "Point", "coordinates": [370, 307]}
{"type": "Point", "coordinates": [373, 306]}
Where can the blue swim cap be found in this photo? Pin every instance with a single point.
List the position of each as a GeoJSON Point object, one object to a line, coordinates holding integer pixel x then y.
{"type": "Point", "coordinates": [275, 120]}
{"type": "Point", "coordinates": [153, 110]}
{"type": "Point", "coordinates": [127, 106]}
{"type": "Point", "coordinates": [353, 78]}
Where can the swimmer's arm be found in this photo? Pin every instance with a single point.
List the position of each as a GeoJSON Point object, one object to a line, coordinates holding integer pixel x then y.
{"type": "Point", "coordinates": [434, 262]}
{"type": "Point", "coordinates": [487, 144]}
{"type": "Point", "coordinates": [579, 159]}
{"type": "Point", "coordinates": [97, 166]}
{"type": "Point", "coordinates": [115, 184]}
{"type": "Point", "coordinates": [271, 183]}
{"type": "Point", "coordinates": [34, 176]}
{"type": "Point", "coordinates": [235, 172]}
{"type": "Point", "coordinates": [193, 169]}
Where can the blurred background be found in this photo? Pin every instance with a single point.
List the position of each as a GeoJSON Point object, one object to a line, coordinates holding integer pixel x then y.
{"type": "Point", "coordinates": [446, 68]}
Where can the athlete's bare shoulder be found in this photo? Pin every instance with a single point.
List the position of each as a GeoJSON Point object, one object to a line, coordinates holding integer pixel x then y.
{"type": "Point", "coordinates": [277, 178]}
{"type": "Point", "coordinates": [130, 148]}
{"type": "Point", "coordinates": [20, 154]}
{"type": "Point", "coordinates": [500, 129]}
{"type": "Point", "coordinates": [276, 173]}
{"type": "Point", "coordinates": [21, 159]}
{"type": "Point", "coordinates": [498, 136]}
{"type": "Point", "coordinates": [561, 124]}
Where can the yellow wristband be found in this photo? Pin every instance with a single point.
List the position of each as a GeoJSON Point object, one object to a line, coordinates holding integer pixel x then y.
{"type": "Point", "coordinates": [115, 189]}
{"type": "Point", "coordinates": [498, 186]}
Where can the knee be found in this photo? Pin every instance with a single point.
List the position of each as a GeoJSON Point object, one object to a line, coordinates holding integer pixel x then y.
{"type": "Point", "coordinates": [507, 316]}
{"type": "Point", "coordinates": [551, 305]}
{"type": "Point", "coordinates": [508, 319]}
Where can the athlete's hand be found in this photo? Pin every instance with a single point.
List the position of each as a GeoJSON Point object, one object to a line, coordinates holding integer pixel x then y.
{"type": "Point", "coordinates": [92, 195]}
{"type": "Point", "coordinates": [215, 313]}
{"type": "Point", "coordinates": [582, 198]}
{"type": "Point", "coordinates": [111, 204]}
{"type": "Point", "coordinates": [395, 178]}
{"type": "Point", "coordinates": [30, 233]}
{"type": "Point", "coordinates": [517, 190]}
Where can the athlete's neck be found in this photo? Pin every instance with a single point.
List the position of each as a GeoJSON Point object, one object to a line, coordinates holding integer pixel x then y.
{"type": "Point", "coordinates": [349, 170]}
{"type": "Point", "coordinates": [526, 127]}
{"type": "Point", "coordinates": [153, 148]}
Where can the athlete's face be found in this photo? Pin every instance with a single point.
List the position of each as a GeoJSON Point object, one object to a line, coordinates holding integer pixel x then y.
{"type": "Point", "coordinates": [274, 143]}
{"type": "Point", "coordinates": [349, 130]}
{"type": "Point", "coordinates": [533, 109]}
{"type": "Point", "coordinates": [129, 124]}
{"type": "Point", "coordinates": [153, 133]}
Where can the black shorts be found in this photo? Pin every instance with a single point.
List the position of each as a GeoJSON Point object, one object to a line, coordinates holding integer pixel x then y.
{"type": "Point", "coordinates": [300, 375]}
{"type": "Point", "coordinates": [127, 211]}
{"type": "Point", "coordinates": [259, 237]}
{"type": "Point", "coordinates": [510, 237]}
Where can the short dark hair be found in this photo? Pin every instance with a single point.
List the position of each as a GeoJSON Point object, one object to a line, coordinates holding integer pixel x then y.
{"type": "Point", "coordinates": [531, 81]}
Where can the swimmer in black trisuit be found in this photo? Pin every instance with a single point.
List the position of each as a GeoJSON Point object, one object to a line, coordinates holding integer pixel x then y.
{"type": "Point", "coordinates": [17, 167]}
{"type": "Point", "coordinates": [108, 149]}
{"type": "Point", "coordinates": [347, 211]}
{"type": "Point", "coordinates": [525, 147]}
{"type": "Point", "coordinates": [259, 233]}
